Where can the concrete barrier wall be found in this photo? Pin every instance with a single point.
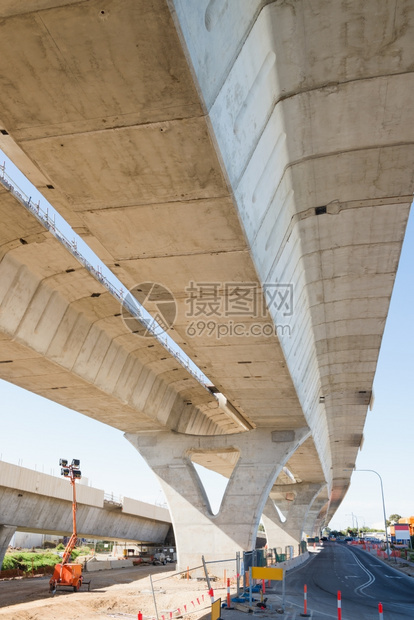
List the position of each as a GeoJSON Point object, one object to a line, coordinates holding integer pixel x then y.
{"type": "Point", "coordinates": [294, 562]}
{"type": "Point", "coordinates": [23, 479]}
{"type": "Point", "coordinates": [96, 565]}
{"type": "Point", "coordinates": [135, 507]}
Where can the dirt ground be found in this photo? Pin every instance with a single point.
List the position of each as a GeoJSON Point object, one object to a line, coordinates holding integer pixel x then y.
{"type": "Point", "coordinates": [118, 593]}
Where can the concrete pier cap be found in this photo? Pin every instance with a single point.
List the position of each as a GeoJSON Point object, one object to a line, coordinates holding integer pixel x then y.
{"type": "Point", "coordinates": [293, 502]}
{"type": "Point", "coordinates": [255, 459]}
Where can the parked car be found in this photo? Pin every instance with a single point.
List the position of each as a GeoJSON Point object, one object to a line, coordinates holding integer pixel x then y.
{"type": "Point", "coordinates": [159, 558]}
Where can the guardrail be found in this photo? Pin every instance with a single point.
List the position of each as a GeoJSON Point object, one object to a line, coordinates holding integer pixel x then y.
{"type": "Point", "coordinates": [113, 499]}
{"type": "Point", "coordinates": [118, 292]}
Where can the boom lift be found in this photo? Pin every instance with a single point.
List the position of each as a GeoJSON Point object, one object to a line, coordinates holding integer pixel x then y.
{"type": "Point", "coordinates": [67, 574]}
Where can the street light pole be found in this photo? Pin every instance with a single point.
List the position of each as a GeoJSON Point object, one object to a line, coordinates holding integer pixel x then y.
{"type": "Point", "coordinates": [383, 507]}
{"type": "Point", "coordinates": [363, 518]}
{"type": "Point", "coordinates": [351, 514]}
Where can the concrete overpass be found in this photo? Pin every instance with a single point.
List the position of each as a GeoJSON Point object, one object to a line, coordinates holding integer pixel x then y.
{"type": "Point", "coordinates": [34, 502]}
{"type": "Point", "coordinates": [255, 158]}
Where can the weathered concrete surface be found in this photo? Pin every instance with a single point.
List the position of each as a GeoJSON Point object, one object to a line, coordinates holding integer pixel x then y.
{"type": "Point", "coordinates": [317, 153]}
{"type": "Point", "coordinates": [182, 188]}
{"type": "Point", "coordinates": [272, 144]}
{"type": "Point", "coordinates": [261, 454]}
{"type": "Point", "coordinates": [34, 502]}
{"type": "Point", "coordinates": [295, 502]}
{"type": "Point", "coordinates": [6, 534]}
{"type": "Point", "coordinates": [62, 336]}
{"type": "Point", "coordinates": [316, 513]}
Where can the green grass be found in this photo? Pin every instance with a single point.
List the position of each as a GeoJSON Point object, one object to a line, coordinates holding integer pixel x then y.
{"type": "Point", "coordinates": [26, 560]}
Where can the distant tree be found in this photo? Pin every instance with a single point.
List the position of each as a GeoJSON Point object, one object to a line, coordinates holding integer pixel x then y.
{"type": "Point", "coordinates": [394, 519]}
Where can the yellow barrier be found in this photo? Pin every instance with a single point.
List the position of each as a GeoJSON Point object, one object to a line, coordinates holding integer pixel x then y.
{"type": "Point", "coordinates": [216, 609]}
{"type": "Point", "coordinates": [271, 574]}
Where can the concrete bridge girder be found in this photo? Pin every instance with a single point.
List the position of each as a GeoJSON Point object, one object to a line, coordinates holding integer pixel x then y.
{"type": "Point", "coordinates": [62, 335]}
{"type": "Point", "coordinates": [31, 501]}
{"type": "Point", "coordinates": [316, 127]}
{"type": "Point", "coordinates": [262, 455]}
{"type": "Point", "coordinates": [37, 513]}
{"type": "Point", "coordinates": [192, 197]}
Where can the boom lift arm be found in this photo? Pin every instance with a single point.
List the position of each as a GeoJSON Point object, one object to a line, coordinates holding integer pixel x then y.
{"type": "Point", "coordinates": [65, 573]}
{"type": "Point", "coordinates": [73, 473]}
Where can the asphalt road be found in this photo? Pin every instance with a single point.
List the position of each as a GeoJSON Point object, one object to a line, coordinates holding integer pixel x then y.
{"type": "Point", "coordinates": [363, 580]}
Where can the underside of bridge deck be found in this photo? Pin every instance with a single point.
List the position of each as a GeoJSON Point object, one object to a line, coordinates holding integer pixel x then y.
{"type": "Point", "coordinates": [255, 163]}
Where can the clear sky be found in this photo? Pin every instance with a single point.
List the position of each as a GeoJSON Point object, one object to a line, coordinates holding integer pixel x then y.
{"type": "Point", "coordinates": [35, 432]}
{"type": "Point", "coordinates": [388, 447]}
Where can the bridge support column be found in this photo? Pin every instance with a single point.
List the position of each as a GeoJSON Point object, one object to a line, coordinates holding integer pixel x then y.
{"type": "Point", "coordinates": [261, 456]}
{"type": "Point", "coordinates": [294, 505]}
{"type": "Point", "coordinates": [6, 534]}
{"type": "Point", "coordinates": [314, 520]}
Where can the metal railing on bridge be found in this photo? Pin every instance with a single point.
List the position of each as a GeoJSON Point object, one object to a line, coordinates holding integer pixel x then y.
{"type": "Point", "coordinates": [117, 290]}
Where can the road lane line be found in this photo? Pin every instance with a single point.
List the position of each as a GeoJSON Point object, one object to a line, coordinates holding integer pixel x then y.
{"type": "Point", "coordinates": [393, 577]}
{"type": "Point", "coordinates": [360, 589]}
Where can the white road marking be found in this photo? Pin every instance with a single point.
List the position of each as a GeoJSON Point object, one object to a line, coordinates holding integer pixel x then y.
{"type": "Point", "coordinates": [371, 578]}
{"type": "Point", "coordinates": [393, 576]}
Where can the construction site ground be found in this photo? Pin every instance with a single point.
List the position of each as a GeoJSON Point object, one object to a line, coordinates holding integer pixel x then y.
{"type": "Point", "coordinates": [123, 593]}
{"type": "Point", "coordinates": [117, 593]}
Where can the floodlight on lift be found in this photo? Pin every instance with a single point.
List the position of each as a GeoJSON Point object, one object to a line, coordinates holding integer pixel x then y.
{"type": "Point", "coordinates": [75, 463]}
{"type": "Point", "coordinates": [65, 471]}
{"type": "Point", "coordinates": [63, 462]}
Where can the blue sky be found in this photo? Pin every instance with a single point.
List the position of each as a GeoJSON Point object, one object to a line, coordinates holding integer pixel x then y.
{"type": "Point", "coordinates": [46, 431]}
{"type": "Point", "coordinates": [388, 446]}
